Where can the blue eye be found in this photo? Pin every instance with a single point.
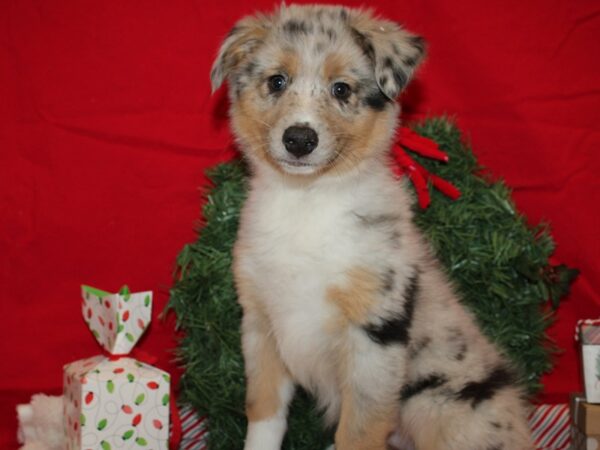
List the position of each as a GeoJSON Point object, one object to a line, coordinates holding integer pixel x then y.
{"type": "Point", "coordinates": [277, 83]}
{"type": "Point", "coordinates": [341, 90]}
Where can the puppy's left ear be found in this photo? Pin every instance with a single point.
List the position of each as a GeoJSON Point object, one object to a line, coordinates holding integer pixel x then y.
{"type": "Point", "coordinates": [239, 45]}
{"type": "Point", "coordinates": [394, 52]}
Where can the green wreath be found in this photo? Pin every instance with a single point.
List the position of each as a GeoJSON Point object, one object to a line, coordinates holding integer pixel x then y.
{"type": "Point", "coordinates": [497, 262]}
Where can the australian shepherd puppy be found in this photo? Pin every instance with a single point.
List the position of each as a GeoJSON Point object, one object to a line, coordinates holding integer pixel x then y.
{"type": "Point", "coordinates": [340, 292]}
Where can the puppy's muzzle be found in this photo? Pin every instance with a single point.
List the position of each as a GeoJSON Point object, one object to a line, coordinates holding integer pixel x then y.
{"type": "Point", "coordinates": [300, 141]}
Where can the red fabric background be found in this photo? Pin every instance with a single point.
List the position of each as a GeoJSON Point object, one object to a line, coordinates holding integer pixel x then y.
{"type": "Point", "coordinates": [106, 126]}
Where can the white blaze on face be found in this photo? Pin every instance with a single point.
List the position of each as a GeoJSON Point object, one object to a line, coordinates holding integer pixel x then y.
{"type": "Point", "coordinates": [304, 97]}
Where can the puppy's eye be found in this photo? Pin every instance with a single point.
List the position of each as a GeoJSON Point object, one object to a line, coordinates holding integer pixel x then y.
{"type": "Point", "coordinates": [277, 83]}
{"type": "Point", "coordinates": [341, 90]}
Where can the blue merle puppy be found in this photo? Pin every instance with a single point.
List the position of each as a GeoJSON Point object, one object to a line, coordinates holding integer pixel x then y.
{"type": "Point", "coordinates": [340, 292]}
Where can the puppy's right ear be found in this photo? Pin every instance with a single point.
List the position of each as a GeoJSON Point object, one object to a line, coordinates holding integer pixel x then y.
{"type": "Point", "coordinates": [243, 40]}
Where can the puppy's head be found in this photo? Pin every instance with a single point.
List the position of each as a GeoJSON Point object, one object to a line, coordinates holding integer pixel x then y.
{"type": "Point", "coordinates": [314, 88]}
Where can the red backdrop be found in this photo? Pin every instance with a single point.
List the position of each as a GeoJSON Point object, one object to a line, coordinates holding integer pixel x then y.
{"type": "Point", "coordinates": [107, 124]}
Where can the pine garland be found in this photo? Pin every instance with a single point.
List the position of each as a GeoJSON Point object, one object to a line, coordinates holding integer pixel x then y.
{"type": "Point", "coordinates": [497, 262]}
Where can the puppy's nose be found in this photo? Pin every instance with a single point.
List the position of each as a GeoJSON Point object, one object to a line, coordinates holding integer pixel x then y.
{"type": "Point", "coordinates": [300, 141]}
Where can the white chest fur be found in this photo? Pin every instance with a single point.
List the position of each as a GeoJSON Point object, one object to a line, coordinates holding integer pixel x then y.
{"type": "Point", "coordinates": [300, 240]}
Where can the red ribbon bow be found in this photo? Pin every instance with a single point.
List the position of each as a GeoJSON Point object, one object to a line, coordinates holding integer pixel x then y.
{"type": "Point", "coordinates": [407, 139]}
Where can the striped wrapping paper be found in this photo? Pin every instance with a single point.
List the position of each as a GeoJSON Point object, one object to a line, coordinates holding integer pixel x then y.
{"type": "Point", "coordinates": [194, 429]}
{"type": "Point", "coordinates": [549, 425]}
{"type": "Point", "coordinates": [588, 330]}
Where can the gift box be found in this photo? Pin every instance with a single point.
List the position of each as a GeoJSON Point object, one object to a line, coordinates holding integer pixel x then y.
{"type": "Point", "coordinates": [580, 441]}
{"type": "Point", "coordinates": [115, 401]}
{"type": "Point", "coordinates": [549, 424]}
{"type": "Point", "coordinates": [588, 334]}
{"type": "Point", "coordinates": [194, 429]}
{"type": "Point", "coordinates": [584, 415]}
{"type": "Point", "coordinates": [585, 423]}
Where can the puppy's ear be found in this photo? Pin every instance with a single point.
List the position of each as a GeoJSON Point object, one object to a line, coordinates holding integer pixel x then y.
{"type": "Point", "coordinates": [394, 52]}
{"type": "Point", "coordinates": [241, 42]}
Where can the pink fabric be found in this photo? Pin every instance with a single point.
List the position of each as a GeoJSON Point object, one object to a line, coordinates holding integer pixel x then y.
{"type": "Point", "coordinates": [107, 124]}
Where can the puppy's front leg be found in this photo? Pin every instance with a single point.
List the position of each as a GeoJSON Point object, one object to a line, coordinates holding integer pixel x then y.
{"type": "Point", "coordinates": [269, 387]}
{"type": "Point", "coordinates": [362, 427]}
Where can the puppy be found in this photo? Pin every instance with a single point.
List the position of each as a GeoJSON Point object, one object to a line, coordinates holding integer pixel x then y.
{"type": "Point", "coordinates": [340, 292]}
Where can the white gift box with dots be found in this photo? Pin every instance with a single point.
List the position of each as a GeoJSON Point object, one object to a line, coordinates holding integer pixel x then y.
{"type": "Point", "coordinates": [116, 402]}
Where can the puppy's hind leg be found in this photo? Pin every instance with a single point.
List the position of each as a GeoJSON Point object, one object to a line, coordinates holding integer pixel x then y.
{"type": "Point", "coordinates": [269, 387]}
{"type": "Point", "coordinates": [482, 415]}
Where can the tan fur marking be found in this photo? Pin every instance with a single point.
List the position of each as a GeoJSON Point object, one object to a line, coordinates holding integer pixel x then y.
{"type": "Point", "coordinates": [357, 432]}
{"type": "Point", "coordinates": [288, 62]}
{"type": "Point", "coordinates": [365, 135]}
{"type": "Point", "coordinates": [262, 396]}
{"type": "Point", "coordinates": [335, 65]}
{"type": "Point", "coordinates": [253, 124]}
{"type": "Point", "coordinates": [244, 286]}
{"type": "Point", "coordinates": [262, 392]}
{"type": "Point", "coordinates": [356, 299]}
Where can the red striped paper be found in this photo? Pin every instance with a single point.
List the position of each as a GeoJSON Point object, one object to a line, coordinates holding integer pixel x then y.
{"type": "Point", "coordinates": [550, 427]}
{"type": "Point", "coordinates": [194, 429]}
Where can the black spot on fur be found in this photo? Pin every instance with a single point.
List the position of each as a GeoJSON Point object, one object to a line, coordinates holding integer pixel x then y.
{"type": "Point", "coordinates": [399, 75]}
{"type": "Point", "coordinates": [462, 351]}
{"type": "Point", "coordinates": [343, 14]}
{"type": "Point", "coordinates": [409, 61]}
{"type": "Point", "coordinates": [496, 425]}
{"type": "Point", "coordinates": [365, 44]}
{"type": "Point", "coordinates": [416, 347]}
{"type": "Point", "coordinates": [478, 391]}
{"type": "Point", "coordinates": [331, 34]}
{"type": "Point", "coordinates": [418, 42]}
{"type": "Point", "coordinates": [431, 381]}
{"type": "Point", "coordinates": [457, 340]}
{"type": "Point", "coordinates": [238, 82]}
{"type": "Point", "coordinates": [249, 69]}
{"type": "Point", "coordinates": [294, 26]}
{"type": "Point", "coordinates": [389, 280]}
{"type": "Point", "coordinates": [396, 329]}
{"type": "Point", "coordinates": [383, 80]}
{"type": "Point", "coordinates": [376, 100]}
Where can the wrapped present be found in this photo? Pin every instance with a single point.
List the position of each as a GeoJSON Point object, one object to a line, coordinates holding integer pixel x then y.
{"type": "Point", "coordinates": [585, 424]}
{"type": "Point", "coordinates": [588, 334]}
{"type": "Point", "coordinates": [549, 426]}
{"type": "Point", "coordinates": [580, 441]}
{"type": "Point", "coordinates": [115, 401]}
{"type": "Point", "coordinates": [585, 416]}
{"type": "Point", "coordinates": [194, 429]}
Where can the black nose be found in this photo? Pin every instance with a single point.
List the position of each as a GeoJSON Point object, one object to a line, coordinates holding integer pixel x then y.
{"type": "Point", "coordinates": [300, 141]}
